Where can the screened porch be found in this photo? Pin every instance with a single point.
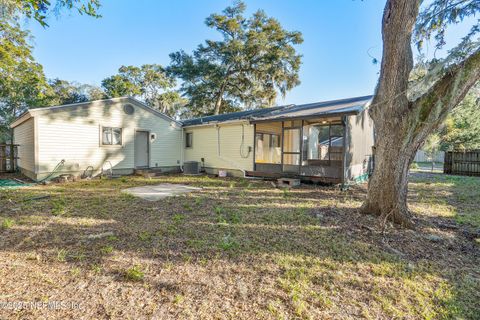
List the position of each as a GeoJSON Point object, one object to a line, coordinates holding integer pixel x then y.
{"type": "Point", "coordinates": [312, 148]}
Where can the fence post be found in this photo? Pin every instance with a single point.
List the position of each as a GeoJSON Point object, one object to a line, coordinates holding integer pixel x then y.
{"type": "Point", "coordinates": [3, 159]}
{"type": "Point", "coordinates": [12, 158]}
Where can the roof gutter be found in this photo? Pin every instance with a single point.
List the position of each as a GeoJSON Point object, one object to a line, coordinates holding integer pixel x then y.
{"type": "Point", "coordinates": [212, 123]}
{"type": "Point", "coordinates": [326, 115]}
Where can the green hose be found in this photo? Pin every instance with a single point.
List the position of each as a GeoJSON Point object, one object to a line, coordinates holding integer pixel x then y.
{"type": "Point", "coordinates": [57, 167]}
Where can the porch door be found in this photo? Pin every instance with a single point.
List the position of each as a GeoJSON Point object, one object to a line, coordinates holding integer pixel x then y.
{"type": "Point", "coordinates": [142, 149]}
{"type": "Point", "coordinates": [291, 150]}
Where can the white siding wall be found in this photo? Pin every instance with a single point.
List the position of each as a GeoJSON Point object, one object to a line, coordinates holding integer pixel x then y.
{"type": "Point", "coordinates": [232, 154]}
{"type": "Point", "coordinates": [23, 135]}
{"type": "Point", "coordinates": [74, 134]}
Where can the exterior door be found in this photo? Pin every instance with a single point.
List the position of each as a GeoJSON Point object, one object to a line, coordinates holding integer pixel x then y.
{"type": "Point", "coordinates": [142, 149]}
{"type": "Point", "coordinates": [291, 150]}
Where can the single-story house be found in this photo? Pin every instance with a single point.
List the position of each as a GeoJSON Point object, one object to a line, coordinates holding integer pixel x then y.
{"type": "Point", "coordinates": [327, 141]}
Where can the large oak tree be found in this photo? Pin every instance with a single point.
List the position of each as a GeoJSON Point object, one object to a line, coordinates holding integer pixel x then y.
{"type": "Point", "coordinates": [405, 112]}
{"type": "Point", "coordinates": [253, 62]}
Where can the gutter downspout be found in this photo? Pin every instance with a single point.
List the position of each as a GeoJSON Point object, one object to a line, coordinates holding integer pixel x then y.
{"type": "Point", "coordinates": [182, 153]}
{"type": "Point", "coordinates": [344, 160]}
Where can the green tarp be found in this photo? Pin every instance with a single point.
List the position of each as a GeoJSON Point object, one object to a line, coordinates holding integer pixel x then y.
{"type": "Point", "coordinates": [9, 183]}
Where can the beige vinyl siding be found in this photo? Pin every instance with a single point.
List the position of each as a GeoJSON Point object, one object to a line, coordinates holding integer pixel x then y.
{"type": "Point", "coordinates": [24, 136]}
{"type": "Point", "coordinates": [74, 134]}
{"type": "Point", "coordinates": [232, 154]}
{"type": "Point", "coordinates": [360, 139]}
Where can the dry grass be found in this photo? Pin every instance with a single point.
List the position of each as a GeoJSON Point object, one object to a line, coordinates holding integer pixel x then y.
{"type": "Point", "coordinates": [237, 249]}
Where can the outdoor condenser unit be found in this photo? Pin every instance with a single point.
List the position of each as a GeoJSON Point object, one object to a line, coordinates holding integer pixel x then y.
{"type": "Point", "coordinates": [191, 167]}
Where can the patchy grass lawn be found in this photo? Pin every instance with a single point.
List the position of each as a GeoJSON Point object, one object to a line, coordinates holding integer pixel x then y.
{"type": "Point", "coordinates": [237, 249]}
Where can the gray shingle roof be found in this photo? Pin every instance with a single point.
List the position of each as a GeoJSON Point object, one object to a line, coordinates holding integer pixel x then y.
{"type": "Point", "coordinates": [325, 108]}
{"type": "Point", "coordinates": [319, 109]}
{"type": "Point", "coordinates": [248, 114]}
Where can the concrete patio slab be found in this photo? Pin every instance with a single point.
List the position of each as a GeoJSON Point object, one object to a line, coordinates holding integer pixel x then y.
{"type": "Point", "coordinates": [160, 191]}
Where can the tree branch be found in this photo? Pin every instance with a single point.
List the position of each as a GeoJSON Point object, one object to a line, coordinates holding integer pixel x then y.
{"type": "Point", "coordinates": [433, 107]}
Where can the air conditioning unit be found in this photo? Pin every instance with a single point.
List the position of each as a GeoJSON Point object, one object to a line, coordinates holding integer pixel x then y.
{"type": "Point", "coordinates": [191, 167]}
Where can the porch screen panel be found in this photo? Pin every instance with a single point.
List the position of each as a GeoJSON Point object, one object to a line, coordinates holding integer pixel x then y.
{"type": "Point", "coordinates": [323, 142]}
{"type": "Point", "coordinates": [291, 149]}
{"type": "Point", "coordinates": [291, 159]}
{"type": "Point", "coordinates": [292, 140]}
{"type": "Point", "coordinates": [336, 142]}
{"type": "Point", "coordinates": [267, 148]}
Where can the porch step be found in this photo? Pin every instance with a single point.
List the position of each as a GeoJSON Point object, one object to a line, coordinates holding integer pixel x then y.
{"type": "Point", "coordinates": [148, 172]}
{"type": "Point", "coordinates": [288, 182]}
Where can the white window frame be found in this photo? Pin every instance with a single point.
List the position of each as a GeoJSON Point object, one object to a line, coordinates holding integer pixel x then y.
{"type": "Point", "coordinates": [191, 142]}
{"type": "Point", "coordinates": [102, 144]}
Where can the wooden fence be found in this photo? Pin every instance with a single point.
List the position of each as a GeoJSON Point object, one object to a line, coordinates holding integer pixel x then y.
{"type": "Point", "coordinates": [466, 163]}
{"type": "Point", "coordinates": [8, 157]}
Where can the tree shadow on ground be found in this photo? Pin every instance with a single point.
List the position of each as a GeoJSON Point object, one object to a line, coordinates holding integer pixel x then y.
{"type": "Point", "coordinates": [312, 237]}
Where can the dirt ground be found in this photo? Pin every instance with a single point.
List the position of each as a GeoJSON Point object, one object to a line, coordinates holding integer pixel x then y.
{"type": "Point", "coordinates": [237, 249]}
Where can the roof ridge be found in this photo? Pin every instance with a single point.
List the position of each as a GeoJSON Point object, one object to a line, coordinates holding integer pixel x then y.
{"type": "Point", "coordinates": [80, 103]}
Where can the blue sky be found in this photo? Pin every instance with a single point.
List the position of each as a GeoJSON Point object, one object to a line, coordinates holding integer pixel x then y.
{"type": "Point", "coordinates": [338, 38]}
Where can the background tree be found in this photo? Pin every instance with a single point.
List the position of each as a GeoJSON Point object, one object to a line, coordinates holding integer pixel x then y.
{"type": "Point", "coordinates": [431, 147]}
{"type": "Point", "coordinates": [254, 61]}
{"type": "Point", "coordinates": [40, 9]}
{"type": "Point", "coordinates": [462, 127]}
{"type": "Point", "coordinates": [63, 92]}
{"type": "Point", "coordinates": [22, 81]}
{"type": "Point", "coordinates": [405, 112]}
{"type": "Point", "coordinates": [150, 83]}
{"type": "Point", "coordinates": [92, 92]}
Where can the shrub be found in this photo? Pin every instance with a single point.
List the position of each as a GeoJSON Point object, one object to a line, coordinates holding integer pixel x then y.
{"type": "Point", "coordinates": [135, 273]}
{"type": "Point", "coordinates": [7, 223]}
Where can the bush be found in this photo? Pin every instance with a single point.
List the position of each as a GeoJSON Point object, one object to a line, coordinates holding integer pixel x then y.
{"type": "Point", "coordinates": [135, 273]}
{"type": "Point", "coordinates": [7, 223]}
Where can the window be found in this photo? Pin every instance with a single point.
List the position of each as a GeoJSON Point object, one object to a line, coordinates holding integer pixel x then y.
{"type": "Point", "coordinates": [112, 136]}
{"type": "Point", "coordinates": [188, 139]}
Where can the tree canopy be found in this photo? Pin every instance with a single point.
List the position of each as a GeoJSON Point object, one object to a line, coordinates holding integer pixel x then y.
{"type": "Point", "coordinates": [40, 9]}
{"type": "Point", "coordinates": [22, 81]}
{"type": "Point", "coordinates": [253, 62]}
{"type": "Point", "coordinates": [149, 82]}
{"type": "Point", "coordinates": [61, 92]}
{"type": "Point", "coordinates": [23, 84]}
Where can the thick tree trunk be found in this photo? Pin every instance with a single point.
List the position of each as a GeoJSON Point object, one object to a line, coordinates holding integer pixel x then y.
{"type": "Point", "coordinates": [388, 187]}
{"type": "Point", "coordinates": [401, 125]}
{"type": "Point", "coordinates": [218, 103]}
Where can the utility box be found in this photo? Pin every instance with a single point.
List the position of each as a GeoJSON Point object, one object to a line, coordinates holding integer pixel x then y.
{"type": "Point", "coordinates": [191, 167]}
